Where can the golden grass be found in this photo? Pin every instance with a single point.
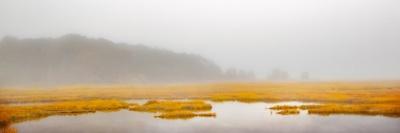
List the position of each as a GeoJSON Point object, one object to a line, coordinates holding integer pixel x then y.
{"type": "Point", "coordinates": [165, 106]}
{"type": "Point", "coordinates": [238, 96]}
{"type": "Point", "coordinates": [184, 114]}
{"type": "Point", "coordinates": [175, 109]}
{"type": "Point", "coordinates": [288, 112]}
{"type": "Point", "coordinates": [380, 97]}
{"type": "Point", "coordinates": [328, 109]}
{"type": "Point", "coordinates": [283, 107]}
{"type": "Point", "coordinates": [12, 114]}
{"type": "Point", "coordinates": [362, 109]}
{"type": "Point", "coordinates": [206, 114]}
{"type": "Point", "coordinates": [286, 109]}
{"type": "Point", "coordinates": [345, 92]}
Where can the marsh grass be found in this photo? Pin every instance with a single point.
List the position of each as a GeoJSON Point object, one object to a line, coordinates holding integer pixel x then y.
{"type": "Point", "coordinates": [283, 107]}
{"type": "Point", "coordinates": [286, 109]}
{"type": "Point", "coordinates": [329, 109]}
{"type": "Point", "coordinates": [175, 109]}
{"type": "Point", "coordinates": [324, 92]}
{"type": "Point", "coordinates": [184, 114]}
{"type": "Point", "coordinates": [167, 106]}
{"type": "Point", "coordinates": [361, 109]}
{"type": "Point", "coordinates": [12, 114]}
{"type": "Point", "coordinates": [380, 97]}
{"type": "Point", "coordinates": [238, 96]}
{"type": "Point", "coordinates": [288, 112]}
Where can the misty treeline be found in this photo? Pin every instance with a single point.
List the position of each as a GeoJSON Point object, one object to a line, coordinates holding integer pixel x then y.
{"type": "Point", "coordinates": [75, 59]}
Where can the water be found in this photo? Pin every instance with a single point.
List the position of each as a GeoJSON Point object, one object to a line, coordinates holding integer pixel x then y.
{"type": "Point", "coordinates": [232, 117]}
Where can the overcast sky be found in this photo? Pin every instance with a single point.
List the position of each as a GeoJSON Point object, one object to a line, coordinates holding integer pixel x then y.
{"type": "Point", "coordinates": [330, 39]}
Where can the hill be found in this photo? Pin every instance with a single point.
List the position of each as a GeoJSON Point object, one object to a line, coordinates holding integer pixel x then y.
{"type": "Point", "coordinates": [75, 59]}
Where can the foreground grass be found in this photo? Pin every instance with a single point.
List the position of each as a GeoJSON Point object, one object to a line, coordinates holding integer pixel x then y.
{"type": "Point", "coordinates": [168, 109]}
{"type": "Point", "coordinates": [12, 114]}
{"type": "Point", "coordinates": [176, 109]}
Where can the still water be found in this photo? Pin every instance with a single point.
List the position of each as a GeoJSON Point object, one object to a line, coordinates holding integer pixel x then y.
{"type": "Point", "coordinates": [232, 117]}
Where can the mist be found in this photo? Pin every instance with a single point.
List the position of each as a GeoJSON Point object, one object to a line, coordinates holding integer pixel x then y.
{"type": "Point", "coordinates": [326, 39]}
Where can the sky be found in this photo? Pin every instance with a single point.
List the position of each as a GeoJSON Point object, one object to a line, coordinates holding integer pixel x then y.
{"type": "Point", "coordinates": [329, 39]}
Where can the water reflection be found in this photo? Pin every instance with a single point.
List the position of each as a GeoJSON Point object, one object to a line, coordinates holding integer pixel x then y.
{"type": "Point", "coordinates": [7, 129]}
{"type": "Point", "coordinates": [232, 117]}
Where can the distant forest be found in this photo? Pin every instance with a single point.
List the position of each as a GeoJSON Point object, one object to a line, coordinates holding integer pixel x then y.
{"type": "Point", "coordinates": [76, 59]}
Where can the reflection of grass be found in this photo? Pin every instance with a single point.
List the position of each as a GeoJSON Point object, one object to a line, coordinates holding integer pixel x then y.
{"type": "Point", "coordinates": [10, 114]}
{"type": "Point", "coordinates": [8, 129]}
{"type": "Point", "coordinates": [175, 109]}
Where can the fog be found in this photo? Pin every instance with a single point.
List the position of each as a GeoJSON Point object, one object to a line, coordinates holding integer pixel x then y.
{"type": "Point", "coordinates": [326, 39]}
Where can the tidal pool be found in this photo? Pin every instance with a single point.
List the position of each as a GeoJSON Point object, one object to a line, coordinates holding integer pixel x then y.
{"type": "Point", "coordinates": [232, 117]}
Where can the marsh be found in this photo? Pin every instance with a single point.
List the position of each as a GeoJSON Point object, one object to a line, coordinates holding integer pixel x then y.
{"type": "Point", "coordinates": [235, 117]}
{"type": "Point", "coordinates": [199, 66]}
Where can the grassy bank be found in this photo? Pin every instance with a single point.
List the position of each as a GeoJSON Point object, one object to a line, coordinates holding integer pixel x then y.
{"type": "Point", "coordinates": [184, 114]}
{"type": "Point", "coordinates": [176, 109]}
{"type": "Point", "coordinates": [164, 109]}
{"type": "Point", "coordinates": [392, 110]}
{"type": "Point", "coordinates": [12, 114]}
